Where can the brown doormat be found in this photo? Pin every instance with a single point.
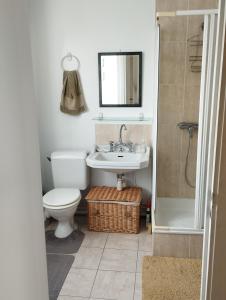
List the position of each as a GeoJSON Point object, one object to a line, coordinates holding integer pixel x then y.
{"type": "Point", "coordinates": [169, 278]}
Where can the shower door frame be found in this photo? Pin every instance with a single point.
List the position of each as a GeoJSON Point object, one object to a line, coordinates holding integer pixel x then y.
{"type": "Point", "coordinates": [205, 105]}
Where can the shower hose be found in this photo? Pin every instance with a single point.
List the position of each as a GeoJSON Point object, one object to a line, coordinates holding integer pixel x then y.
{"type": "Point", "coordinates": [187, 160]}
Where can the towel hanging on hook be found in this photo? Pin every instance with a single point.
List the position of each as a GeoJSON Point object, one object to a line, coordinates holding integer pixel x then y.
{"type": "Point", "coordinates": [72, 98]}
{"type": "Point", "coordinates": [70, 57]}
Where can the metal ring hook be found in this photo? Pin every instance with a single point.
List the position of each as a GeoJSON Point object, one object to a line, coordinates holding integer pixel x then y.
{"type": "Point", "coordinates": [69, 57]}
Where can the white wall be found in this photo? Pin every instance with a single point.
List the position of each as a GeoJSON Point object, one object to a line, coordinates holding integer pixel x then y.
{"type": "Point", "coordinates": [23, 274]}
{"type": "Point", "coordinates": [85, 28]}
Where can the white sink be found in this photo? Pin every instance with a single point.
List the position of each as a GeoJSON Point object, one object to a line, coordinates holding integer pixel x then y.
{"type": "Point", "coordinates": [119, 162]}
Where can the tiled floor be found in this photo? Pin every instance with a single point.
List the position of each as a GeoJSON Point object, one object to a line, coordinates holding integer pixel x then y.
{"type": "Point", "coordinates": [107, 266]}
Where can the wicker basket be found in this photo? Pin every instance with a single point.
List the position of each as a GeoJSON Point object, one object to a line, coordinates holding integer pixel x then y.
{"type": "Point", "coordinates": [112, 211]}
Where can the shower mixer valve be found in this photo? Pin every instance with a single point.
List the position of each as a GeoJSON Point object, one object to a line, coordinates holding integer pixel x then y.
{"type": "Point", "coordinates": [190, 126]}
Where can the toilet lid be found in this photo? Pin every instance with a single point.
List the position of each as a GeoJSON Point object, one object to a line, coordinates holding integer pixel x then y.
{"type": "Point", "coordinates": [61, 197]}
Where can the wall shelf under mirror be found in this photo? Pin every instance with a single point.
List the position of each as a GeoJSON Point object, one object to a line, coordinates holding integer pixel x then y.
{"type": "Point", "coordinates": [123, 119]}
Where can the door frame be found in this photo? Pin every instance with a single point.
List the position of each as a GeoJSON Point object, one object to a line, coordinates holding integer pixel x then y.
{"type": "Point", "coordinates": [205, 106]}
{"type": "Point", "coordinates": [212, 285]}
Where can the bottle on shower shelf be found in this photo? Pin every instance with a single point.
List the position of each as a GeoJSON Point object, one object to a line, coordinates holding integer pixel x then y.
{"type": "Point", "coordinates": [148, 212]}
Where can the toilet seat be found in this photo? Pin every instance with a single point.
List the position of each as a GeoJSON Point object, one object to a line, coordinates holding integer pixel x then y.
{"type": "Point", "coordinates": [61, 198]}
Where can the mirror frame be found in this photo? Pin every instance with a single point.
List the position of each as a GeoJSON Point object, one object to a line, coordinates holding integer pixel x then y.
{"type": "Point", "coordinates": [100, 54]}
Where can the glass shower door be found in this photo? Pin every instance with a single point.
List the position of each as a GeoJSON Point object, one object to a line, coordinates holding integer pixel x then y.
{"type": "Point", "coordinates": [184, 107]}
{"type": "Point", "coordinates": [178, 113]}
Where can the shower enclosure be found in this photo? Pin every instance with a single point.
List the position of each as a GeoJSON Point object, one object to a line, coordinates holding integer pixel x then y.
{"type": "Point", "coordinates": [186, 54]}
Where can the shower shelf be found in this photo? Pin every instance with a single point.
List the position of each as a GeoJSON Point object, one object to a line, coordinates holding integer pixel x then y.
{"type": "Point", "coordinates": [193, 58]}
{"type": "Point", "coordinates": [196, 43]}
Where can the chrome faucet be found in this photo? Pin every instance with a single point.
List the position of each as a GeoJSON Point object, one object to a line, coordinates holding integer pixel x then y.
{"type": "Point", "coordinates": [120, 133]}
{"type": "Point", "coordinates": [120, 145]}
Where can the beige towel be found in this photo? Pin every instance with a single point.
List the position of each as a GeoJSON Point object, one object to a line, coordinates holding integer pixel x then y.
{"type": "Point", "coordinates": [72, 100]}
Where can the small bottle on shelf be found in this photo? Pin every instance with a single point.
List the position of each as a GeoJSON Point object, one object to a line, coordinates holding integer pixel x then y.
{"type": "Point", "coordinates": [148, 215]}
{"type": "Point", "coordinates": [119, 184]}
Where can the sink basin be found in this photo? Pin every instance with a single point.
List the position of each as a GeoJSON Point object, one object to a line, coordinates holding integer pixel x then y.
{"type": "Point", "coordinates": [119, 162]}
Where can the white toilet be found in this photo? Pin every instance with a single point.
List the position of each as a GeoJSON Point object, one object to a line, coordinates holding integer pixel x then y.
{"type": "Point", "coordinates": [70, 175]}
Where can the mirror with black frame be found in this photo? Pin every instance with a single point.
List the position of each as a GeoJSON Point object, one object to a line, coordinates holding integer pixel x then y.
{"type": "Point", "coordinates": [120, 79]}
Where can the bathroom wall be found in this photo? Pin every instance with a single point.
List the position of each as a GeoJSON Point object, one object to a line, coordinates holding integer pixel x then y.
{"type": "Point", "coordinates": [179, 92]}
{"type": "Point", "coordinates": [85, 28]}
{"type": "Point", "coordinates": [23, 272]}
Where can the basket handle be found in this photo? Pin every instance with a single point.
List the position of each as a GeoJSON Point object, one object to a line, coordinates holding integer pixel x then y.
{"type": "Point", "coordinates": [96, 212]}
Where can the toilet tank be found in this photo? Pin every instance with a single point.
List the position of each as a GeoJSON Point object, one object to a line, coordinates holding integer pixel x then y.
{"type": "Point", "coordinates": [69, 169]}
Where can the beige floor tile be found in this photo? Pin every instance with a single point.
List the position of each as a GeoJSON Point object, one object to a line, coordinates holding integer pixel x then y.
{"type": "Point", "coordinates": [119, 260]}
{"type": "Point", "coordinates": [94, 239]}
{"type": "Point", "coordinates": [138, 287]}
{"type": "Point", "coordinates": [145, 242]}
{"type": "Point", "coordinates": [131, 236]}
{"type": "Point", "coordinates": [114, 285]}
{"type": "Point", "coordinates": [196, 246]}
{"type": "Point", "coordinates": [78, 283]}
{"type": "Point", "coordinates": [140, 256]}
{"type": "Point", "coordinates": [88, 258]}
{"type": "Point", "coordinates": [122, 241]}
{"type": "Point", "coordinates": [174, 245]}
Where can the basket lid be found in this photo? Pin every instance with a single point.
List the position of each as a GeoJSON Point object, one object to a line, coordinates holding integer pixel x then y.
{"type": "Point", "coordinates": [105, 193]}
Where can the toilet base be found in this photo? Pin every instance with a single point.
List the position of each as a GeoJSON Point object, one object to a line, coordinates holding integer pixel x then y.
{"type": "Point", "coordinates": [65, 228]}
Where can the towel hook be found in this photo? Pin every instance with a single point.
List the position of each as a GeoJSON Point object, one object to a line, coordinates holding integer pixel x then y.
{"type": "Point", "coordinates": [70, 57]}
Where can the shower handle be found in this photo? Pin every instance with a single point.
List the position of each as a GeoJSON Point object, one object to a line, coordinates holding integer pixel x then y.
{"type": "Point", "coordinates": [188, 125]}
